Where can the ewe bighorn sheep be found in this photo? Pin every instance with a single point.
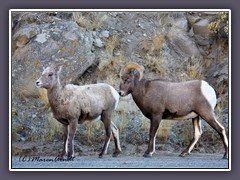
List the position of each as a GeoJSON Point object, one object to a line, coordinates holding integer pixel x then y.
{"type": "Point", "coordinates": [175, 101]}
{"type": "Point", "coordinates": [74, 104]}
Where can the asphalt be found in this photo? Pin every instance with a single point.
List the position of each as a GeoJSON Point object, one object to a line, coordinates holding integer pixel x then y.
{"type": "Point", "coordinates": [160, 161]}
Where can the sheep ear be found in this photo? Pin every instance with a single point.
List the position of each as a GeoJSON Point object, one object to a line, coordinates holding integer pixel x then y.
{"type": "Point", "coordinates": [135, 73]}
{"type": "Point", "coordinates": [57, 66]}
{"type": "Point", "coordinates": [132, 72]}
{"type": "Point", "coordinates": [59, 69]}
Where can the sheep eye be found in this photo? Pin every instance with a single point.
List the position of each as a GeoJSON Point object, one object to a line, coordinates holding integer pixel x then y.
{"type": "Point", "coordinates": [49, 75]}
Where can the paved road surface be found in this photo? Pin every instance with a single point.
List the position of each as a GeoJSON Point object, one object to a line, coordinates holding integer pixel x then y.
{"type": "Point", "coordinates": [158, 161]}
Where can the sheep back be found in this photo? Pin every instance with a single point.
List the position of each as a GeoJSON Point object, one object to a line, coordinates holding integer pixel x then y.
{"type": "Point", "coordinates": [89, 99]}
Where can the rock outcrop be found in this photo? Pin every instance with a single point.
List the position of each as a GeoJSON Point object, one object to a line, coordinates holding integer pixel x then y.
{"type": "Point", "coordinates": [93, 46]}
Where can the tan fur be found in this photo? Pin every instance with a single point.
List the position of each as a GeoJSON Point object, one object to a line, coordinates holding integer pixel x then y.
{"type": "Point", "coordinates": [74, 101]}
{"type": "Point", "coordinates": [75, 104]}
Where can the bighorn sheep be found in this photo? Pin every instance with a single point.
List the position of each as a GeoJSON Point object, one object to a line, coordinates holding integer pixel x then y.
{"type": "Point", "coordinates": [170, 100]}
{"type": "Point", "coordinates": [74, 104]}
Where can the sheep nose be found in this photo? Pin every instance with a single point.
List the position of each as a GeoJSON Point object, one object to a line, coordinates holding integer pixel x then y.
{"type": "Point", "coordinates": [37, 83]}
{"type": "Point", "coordinates": [120, 93]}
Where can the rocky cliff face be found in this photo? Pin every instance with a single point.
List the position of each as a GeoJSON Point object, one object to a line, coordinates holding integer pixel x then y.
{"type": "Point", "coordinates": [174, 46]}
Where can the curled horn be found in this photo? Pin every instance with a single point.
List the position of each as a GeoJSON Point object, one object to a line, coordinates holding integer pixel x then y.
{"type": "Point", "coordinates": [127, 67]}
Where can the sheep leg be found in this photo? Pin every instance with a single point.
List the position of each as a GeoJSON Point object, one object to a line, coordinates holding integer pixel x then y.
{"type": "Point", "coordinates": [197, 134]}
{"type": "Point", "coordinates": [107, 124]}
{"type": "Point", "coordinates": [66, 136]}
{"type": "Point", "coordinates": [209, 117]}
{"type": "Point", "coordinates": [115, 132]}
{"type": "Point", "coordinates": [65, 139]}
{"type": "Point", "coordinates": [155, 121]}
{"type": "Point", "coordinates": [71, 133]}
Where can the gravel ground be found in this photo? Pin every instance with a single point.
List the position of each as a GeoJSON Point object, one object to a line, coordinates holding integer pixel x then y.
{"type": "Point", "coordinates": [159, 161]}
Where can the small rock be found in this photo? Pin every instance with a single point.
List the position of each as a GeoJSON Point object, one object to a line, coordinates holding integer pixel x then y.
{"type": "Point", "coordinates": [116, 53]}
{"type": "Point", "coordinates": [94, 33]}
{"type": "Point", "coordinates": [141, 26]}
{"type": "Point", "coordinates": [182, 43]}
{"type": "Point", "coordinates": [202, 150]}
{"type": "Point", "coordinates": [24, 35]}
{"type": "Point", "coordinates": [192, 20]}
{"type": "Point", "coordinates": [22, 41]}
{"type": "Point", "coordinates": [105, 34]}
{"type": "Point", "coordinates": [22, 139]}
{"type": "Point", "coordinates": [41, 38]}
{"type": "Point", "coordinates": [201, 28]}
{"type": "Point", "coordinates": [98, 42]}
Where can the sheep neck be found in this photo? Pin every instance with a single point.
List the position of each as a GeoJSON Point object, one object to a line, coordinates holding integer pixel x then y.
{"type": "Point", "coordinates": [54, 95]}
{"type": "Point", "coordinates": [138, 91]}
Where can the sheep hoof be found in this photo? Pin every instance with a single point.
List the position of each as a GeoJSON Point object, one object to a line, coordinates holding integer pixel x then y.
{"type": "Point", "coordinates": [100, 156]}
{"type": "Point", "coordinates": [184, 154]}
{"type": "Point", "coordinates": [60, 157]}
{"type": "Point", "coordinates": [116, 153]}
{"type": "Point", "coordinates": [225, 156]}
{"type": "Point", "coordinates": [70, 158]}
{"type": "Point", "coordinates": [147, 155]}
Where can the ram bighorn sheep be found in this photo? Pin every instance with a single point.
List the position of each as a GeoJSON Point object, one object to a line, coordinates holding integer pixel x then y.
{"type": "Point", "coordinates": [72, 105]}
{"type": "Point", "coordinates": [173, 101]}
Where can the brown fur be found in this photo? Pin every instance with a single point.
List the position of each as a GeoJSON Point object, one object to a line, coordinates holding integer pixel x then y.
{"type": "Point", "coordinates": [174, 99]}
{"type": "Point", "coordinates": [170, 100]}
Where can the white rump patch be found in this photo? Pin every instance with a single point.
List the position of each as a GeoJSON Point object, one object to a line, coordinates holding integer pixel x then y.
{"type": "Point", "coordinates": [115, 95]}
{"type": "Point", "coordinates": [209, 94]}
